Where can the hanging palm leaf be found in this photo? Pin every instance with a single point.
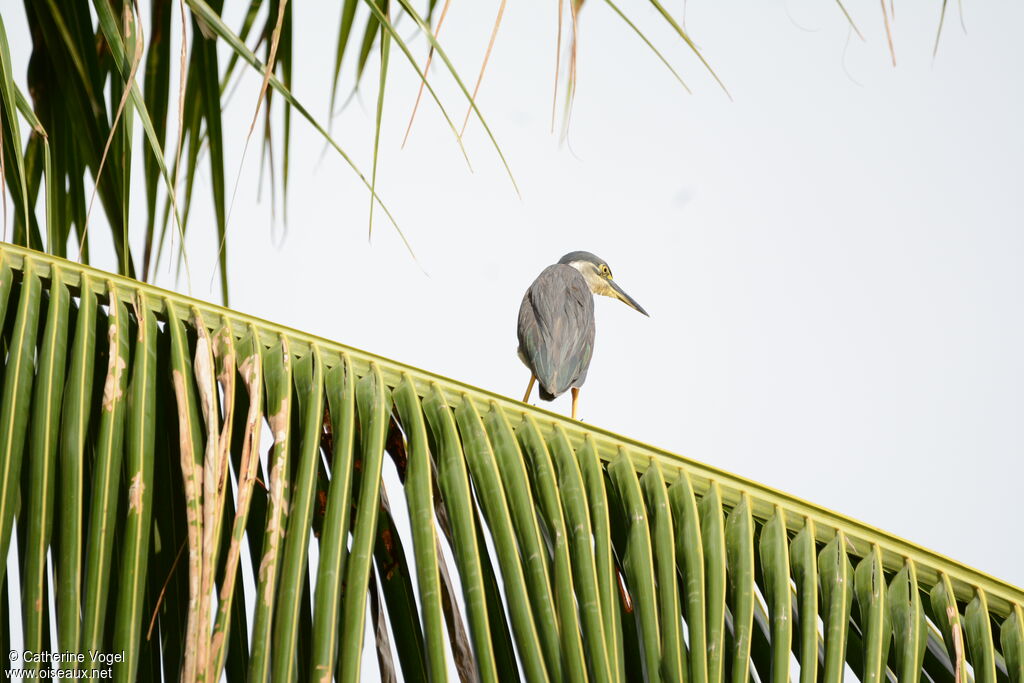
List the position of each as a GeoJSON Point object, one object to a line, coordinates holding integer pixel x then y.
{"type": "Point", "coordinates": [80, 137]}
{"type": "Point", "coordinates": [196, 449]}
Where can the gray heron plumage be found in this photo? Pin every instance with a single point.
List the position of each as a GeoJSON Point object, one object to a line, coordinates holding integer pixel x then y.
{"type": "Point", "coordinates": [556, 323]}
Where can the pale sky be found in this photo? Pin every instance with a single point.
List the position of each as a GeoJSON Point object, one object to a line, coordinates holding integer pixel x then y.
{"type": "Point", "coordinates": [831, 260]}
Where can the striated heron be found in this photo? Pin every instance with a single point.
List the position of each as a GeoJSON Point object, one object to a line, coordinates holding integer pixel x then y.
{"type": "Point", "coordinates": [556, 323]}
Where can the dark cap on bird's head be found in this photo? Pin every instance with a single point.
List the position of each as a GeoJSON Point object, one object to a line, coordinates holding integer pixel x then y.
{"type": "Point", "coordinates": [574, 256]}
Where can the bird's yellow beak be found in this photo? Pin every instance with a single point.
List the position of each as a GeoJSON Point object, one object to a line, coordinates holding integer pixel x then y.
{"type": "Point", "coordinates": [620, 294]}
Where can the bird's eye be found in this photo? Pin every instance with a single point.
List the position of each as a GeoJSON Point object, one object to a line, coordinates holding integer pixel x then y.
{"type": "Point", "coordinates": [605, 271]}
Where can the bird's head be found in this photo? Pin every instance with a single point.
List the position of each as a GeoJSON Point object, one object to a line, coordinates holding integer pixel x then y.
{"type": "Point", "coordinates": [599, 277]}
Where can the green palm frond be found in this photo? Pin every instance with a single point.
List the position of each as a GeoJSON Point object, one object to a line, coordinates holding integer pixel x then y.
{"type": "Point", "coordinates": [132, 431]}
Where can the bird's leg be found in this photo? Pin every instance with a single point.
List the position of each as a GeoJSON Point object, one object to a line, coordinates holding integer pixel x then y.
{"type": "Point", "coordinates": [529, 387]}
{"type": "Point", "coordinates": [575, 401]}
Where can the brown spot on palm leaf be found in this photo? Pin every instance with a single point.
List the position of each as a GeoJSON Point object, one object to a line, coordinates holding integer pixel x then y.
{"type": "Point", "coordinates": [388, 543]}
{"type": "Point", "coordinates": [213, 467]}
{"type": "Point", "coordinates": [203, 366]}
{"type": "Point", "coordinates": [252, 375]}
{"type": "Point", "coordinates": [192, 482]}
{"type": "Point", "coordinates": [321, 511]}
{"type": "Point", "coordinates": [224, 361]}
{"type": "Point", "coordinates": [137, 306]}
{"type": "Point", "coordinates": [327, 437]}
{"type": "Point", "coordinates": [278, 381]}
{"type": "Point", "coordinates": [251, 371]}
{"type": "Point", "coordinates": [395, 447]}
{"type": "Point", "coordinates": [135, 493]}
{"type": "Point", "coordinates": [274, 529]}
{"type": "Point", "coordinates": [958, 637]}
{"type": "Point", "coordinates": [279, 423]}
{"type": "Point", "coordinates": [116, 365]}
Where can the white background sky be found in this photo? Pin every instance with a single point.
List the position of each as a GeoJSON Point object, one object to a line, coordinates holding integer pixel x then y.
{"type": "Point", "coordinates": [831, 260]}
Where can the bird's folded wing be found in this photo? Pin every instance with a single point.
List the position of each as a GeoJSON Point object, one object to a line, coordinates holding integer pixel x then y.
{"type": "Point", "coordinates": [556, 328]}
